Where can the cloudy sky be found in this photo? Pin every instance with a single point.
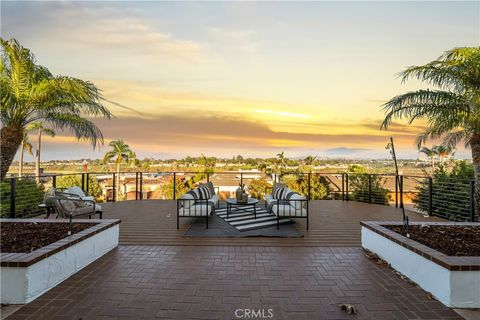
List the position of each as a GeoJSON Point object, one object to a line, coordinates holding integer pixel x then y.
{"type": "Point", "coordinates": [225, 78]}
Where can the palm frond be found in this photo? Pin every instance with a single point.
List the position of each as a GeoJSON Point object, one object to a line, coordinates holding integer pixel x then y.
{"type": "Point", "coordinates": [427, 151]}
{"type": "Point", "coordinates": [28, 146]}
{"type": "Point", "coordinates": [40, 126]}
{"type": "Point", "coordinates": [29, 93]}
{"type": "Point", "coordinates": [83, 128]}
{"type": "Point", "coordinates": [49, 132]}
{"type": "Point", "coordinates": [452, 139]}
{"type": "Point", "coordinates": [434, 74]}
{"type": "Point", "coordinates": [456, 70]}
{"type": "Point", "coordinates": [121, 151]}
{"type": "Point", "coordinates": [108, 156]}
{"type": "Point", "coordinates": [424, 104]}
{"type": "Point", "coordinates": [428, 134]}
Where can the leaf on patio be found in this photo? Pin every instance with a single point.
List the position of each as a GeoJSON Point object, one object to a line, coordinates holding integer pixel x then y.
{"type": "Point", "coordinates": [375, 258]}
{"type": "Point", "coordinates": [348, 308]}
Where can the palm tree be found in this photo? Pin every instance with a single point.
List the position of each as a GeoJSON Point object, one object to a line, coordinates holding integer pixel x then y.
{"type": "Point", "coordinates": [263, 167]}
{"type": "Point", "coordinates": [145, 165]}
{"type": "Point", "coordinates": [452, 110]}
{"type": "Point", "coordinates": [25, 145]}
{"type": "Point", "coordinates": [310, 160]}
{"type": "Point", "coordinates": [30, 93]}
{"type": "Point", "coordinates": [281, 160]}
{"type": "Point", "coordinates": [430, 153]}
{"type": "Point", "coordinates": [443, 152]}
{"type": "Point", "coordinates": [122, 153]}
{"type": "Point", "coordinates": [41, 129]}
{"type": "Point", "coordinates": [208, 164]}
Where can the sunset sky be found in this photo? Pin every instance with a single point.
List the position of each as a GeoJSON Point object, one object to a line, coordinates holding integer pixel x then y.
{"type": "Point", "coordinates": [227, 78]}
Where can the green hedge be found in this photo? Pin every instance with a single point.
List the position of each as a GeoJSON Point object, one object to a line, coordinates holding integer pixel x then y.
{"type": "Point", "coordinates": [450, 192]}
{"type": "Point", "coordinates": [319, 185]}
{"type": "Point", "coordinates": [28, 196]}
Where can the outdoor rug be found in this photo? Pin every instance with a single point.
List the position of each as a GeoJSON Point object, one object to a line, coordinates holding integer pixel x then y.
{"type": "Point", "coordinates": [218, 228]}
{"type": "Point", "coordinates": [243, 219]}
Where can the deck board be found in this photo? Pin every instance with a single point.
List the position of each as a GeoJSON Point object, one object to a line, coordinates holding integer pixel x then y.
{"type": "Point", "coordinates": [332, 223]}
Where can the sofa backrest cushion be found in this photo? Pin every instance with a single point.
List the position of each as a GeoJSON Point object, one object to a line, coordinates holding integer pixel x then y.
{"type": "Point", "coordinates": [281, 193]}
{"type": "Point", "coordinates": [210, 187]}
{"type": "Point", "coordinates": [277, 185]}
{"type": "Point", "coordinates": [195, 193]}
{"type": "Point", "coordinates": [204, 192]}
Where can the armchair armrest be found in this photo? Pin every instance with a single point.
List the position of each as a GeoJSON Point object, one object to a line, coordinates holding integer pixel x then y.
{"type": "Point", "coordinates": [296, 202]}
{"type": "Point", "coordinates": [69, 195]}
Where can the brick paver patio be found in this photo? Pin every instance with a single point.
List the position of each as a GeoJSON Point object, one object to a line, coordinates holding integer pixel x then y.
{"type": "Point", "coordinates": [211, 282]}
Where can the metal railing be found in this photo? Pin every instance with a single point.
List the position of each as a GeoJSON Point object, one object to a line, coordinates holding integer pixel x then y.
{"type": "Point", "coordinates": [444, 197]}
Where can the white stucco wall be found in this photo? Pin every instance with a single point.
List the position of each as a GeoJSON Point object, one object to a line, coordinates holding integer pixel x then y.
{"type": "Point", "coordinates": [465, 289]}
{"type": "Point", "coordinates": [22, 285]}
{"type": "Point", "coordinates": [459, 289]}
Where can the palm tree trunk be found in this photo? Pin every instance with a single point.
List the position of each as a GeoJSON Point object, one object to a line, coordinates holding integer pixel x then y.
{"type": "Point", "coordinates": [20, 164]}
{"type": "Point", "coordinates": [118, 182]}
{"type": "Point", "coordinates": [475, 146]}
{"type": "Point", "coordinates": [12, 136]}
{"type": "Point", "coordinates": [37, 155]}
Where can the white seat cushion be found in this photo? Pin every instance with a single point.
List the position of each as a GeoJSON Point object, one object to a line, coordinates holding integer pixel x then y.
{"type": "Point", "coordinates": [196, 210]}
{"type": "Point", "coordinates": [287, 210]}
{"type": "Point", "coordinates": [297, 204]}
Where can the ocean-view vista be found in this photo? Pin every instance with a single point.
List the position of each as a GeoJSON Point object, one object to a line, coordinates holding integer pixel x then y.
{"type": "Point", "coordinates": [240, 160]}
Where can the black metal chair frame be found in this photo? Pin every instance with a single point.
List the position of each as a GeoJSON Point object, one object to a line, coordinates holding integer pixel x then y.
{"type": "Point", "coordinates": [294, 209]}
{"type": "Point", "coordinates": [64, 196]}
{"type": "Point", "coordinates": [181, 205]}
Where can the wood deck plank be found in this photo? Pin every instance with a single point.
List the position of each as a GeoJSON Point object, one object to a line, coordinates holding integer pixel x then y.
{"type": "Point", "coordinates": [332, 223]}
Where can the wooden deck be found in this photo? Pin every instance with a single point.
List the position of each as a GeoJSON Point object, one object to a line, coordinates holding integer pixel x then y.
{"type": "Point", "coordinates": [332, 223]}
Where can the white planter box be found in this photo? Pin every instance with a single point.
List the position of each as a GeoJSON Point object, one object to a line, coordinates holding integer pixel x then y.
{"type": "Point", "coordinates": [25, 282]}
{"type": "Point", "coordinates": [455, 281]}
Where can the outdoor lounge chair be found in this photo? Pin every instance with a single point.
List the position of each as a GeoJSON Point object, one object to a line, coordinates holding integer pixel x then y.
{"type": "Point", "coordinates": [286, 203]}
{"type": "Point", "coordinates": [295, 207]}
{"type": "Point", "coordinates": [78, 192]}
{"type": "Point", "coordinates": [68, 206]}
{"type": "Point", "coordinates": [197, 203]}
